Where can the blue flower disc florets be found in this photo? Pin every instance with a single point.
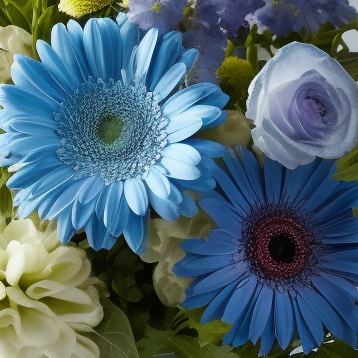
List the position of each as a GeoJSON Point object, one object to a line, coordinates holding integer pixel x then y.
{"type": "Point", "coordinates": [98, 132]}
{"type": "Point", "coordinates": [114, 131]}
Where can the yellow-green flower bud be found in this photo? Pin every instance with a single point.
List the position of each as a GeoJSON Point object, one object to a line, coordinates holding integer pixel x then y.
{"type": "Point", "coordinates": [78, 8]}
{"type": "Point", "coordinates": [234, 76]}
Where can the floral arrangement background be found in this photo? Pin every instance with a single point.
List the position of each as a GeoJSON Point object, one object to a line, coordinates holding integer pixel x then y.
{"type": "Point", "coordinates": [178, 178]}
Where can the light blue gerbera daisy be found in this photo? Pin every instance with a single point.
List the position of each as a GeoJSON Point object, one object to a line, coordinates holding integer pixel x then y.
{"type": "Point", "coordinates": [283, 261]}
{"type": "Point", "coordinates": [98, 131]}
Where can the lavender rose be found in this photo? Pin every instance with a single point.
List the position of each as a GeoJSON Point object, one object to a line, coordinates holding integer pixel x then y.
{"type": "Point", "coordinates": [303, 104]}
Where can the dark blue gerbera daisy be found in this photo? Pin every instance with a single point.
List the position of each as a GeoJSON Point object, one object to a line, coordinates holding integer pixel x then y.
{"type": "Point", "coordinates": [283, 261]}
{"type": "Point", "coordinates": [98, 131]}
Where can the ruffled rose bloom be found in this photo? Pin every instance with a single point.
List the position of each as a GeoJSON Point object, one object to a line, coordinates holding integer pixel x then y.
{"type": "Point", "coordinates": [303, 104]}
{"type": "Point", "coordinates": [13, 40]}
{"type": "Point", "coordinates": [47, 299]}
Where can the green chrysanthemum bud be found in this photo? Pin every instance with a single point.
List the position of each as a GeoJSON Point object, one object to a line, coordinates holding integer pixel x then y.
{"type": "Point", "coordinates": [78, 8]}
{"type": "Point", "coordinates": [234, 76]}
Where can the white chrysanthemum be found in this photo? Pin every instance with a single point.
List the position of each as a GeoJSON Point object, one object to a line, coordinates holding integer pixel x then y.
{"type": "Point", "coordinates": [47, 299]}
{"type": "Point", "coordinates": [13, 40]}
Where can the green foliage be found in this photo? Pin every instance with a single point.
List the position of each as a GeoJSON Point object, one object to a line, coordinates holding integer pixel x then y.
{"type": "Point", "coordinates": [17, 13]}
{"type": "Point", "coordinates": [336, 349]}
{"type": "Point", "coordinates": [45, 21]}
{"type": "Point", "coordinates": [35, 16]}
{"type": "Point", "coordinates": [328, 39]}
{"type": "Point", "coordinates": [131, 287]}
{"type": "Point", "coordinates": [184, 346]}
{"type": "Point", "coordinates": [189, 347]}
{"type": "Point", "coordinates": [347, 167]}
{"type": "Point", "coordinates": [4, 18]}
{"type": "Point", "coordinates": [114, 335]}
{"type": "Point", "coordinates": [156, 342]}
{"type": "Point", "coordinates": [212, 332]}
{"type": "Point", "coordinates": [5, 194]}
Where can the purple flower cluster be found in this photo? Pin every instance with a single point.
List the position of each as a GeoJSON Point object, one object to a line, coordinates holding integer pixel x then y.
{"type": "Point", "coordinates": [165, 15]}
{"type": "Point", "coordinates": [284, 16]}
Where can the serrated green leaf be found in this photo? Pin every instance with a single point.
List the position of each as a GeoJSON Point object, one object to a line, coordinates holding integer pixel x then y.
{"type": "Point", "coordinates": [189, 347]}
{"type": "Point", "coordinates": [156, 342]}
{"type": "Point", "coordinates": [212, 332]}
{"type": "Point", "coordinates": [114, 335]}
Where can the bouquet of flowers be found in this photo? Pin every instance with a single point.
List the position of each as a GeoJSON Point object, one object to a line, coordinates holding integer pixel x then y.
{"type": "Point", "coordinates": [179, 178]}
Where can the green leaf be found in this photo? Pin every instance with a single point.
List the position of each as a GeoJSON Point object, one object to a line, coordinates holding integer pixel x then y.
{"type": "Point", "coordinates": [247, 350]}
{"type": "Point", "coordinates": [4, 18]}
{"type": "Point", "coordinates": [350, 64]}
{"type": "Point", "coordinates": [114, 335]}
{"type": "Point", "coordinates": [161, 342]}
{"type": "Point", "coordinates": [156, 342]}
{"type": "Point", "coordinates": [336, 349]}
{"type": "Point", "coordinates": [212, 332]}
{"type": "Point", "coordinates": [189, 347]}
{"type": "Point", "coordinates": [18, 17]}
{"type": "Point", "coordinates": [5, 194]}
{"type": "Point", "coordinates": [43, 25]}
{"type": "Point", "coordinates": [347, 167]}
{"type": "Point", "coordinates": [126, 287]}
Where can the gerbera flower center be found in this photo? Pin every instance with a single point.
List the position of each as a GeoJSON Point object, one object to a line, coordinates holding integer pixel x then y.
{"type": "Point", "coordinates": [111, 130]}
{"type": "Point", "coordinates": [279, 244]}
{"type": "Point", "coordinates": [282, 248]}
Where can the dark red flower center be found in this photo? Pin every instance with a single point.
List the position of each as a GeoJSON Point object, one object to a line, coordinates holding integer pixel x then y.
{"type": "Point", "coordinates": [281, 246]}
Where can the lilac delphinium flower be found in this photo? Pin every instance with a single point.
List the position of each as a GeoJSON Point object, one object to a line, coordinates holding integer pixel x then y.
{"type": "Point", "coordinates": [282, 261]}
{"type": "Point", "coordinates": [234, 11]}
{"type": "Point", "coordinates": [98, 131]}
{"type": "Point", "coordinates": [285, 16]}
{"type": "Point", "coordinates": [231, 13]}
{"type": "Point", "coordinates": [165, 15]}
{"type": "Point", "coordinates": [211, 44]}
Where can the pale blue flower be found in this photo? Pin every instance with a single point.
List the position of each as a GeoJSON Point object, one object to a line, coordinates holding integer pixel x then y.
{"type": "Point", "coordinates": [97, 131]}
{"type": "Point", "coordinates": [303, 104]}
